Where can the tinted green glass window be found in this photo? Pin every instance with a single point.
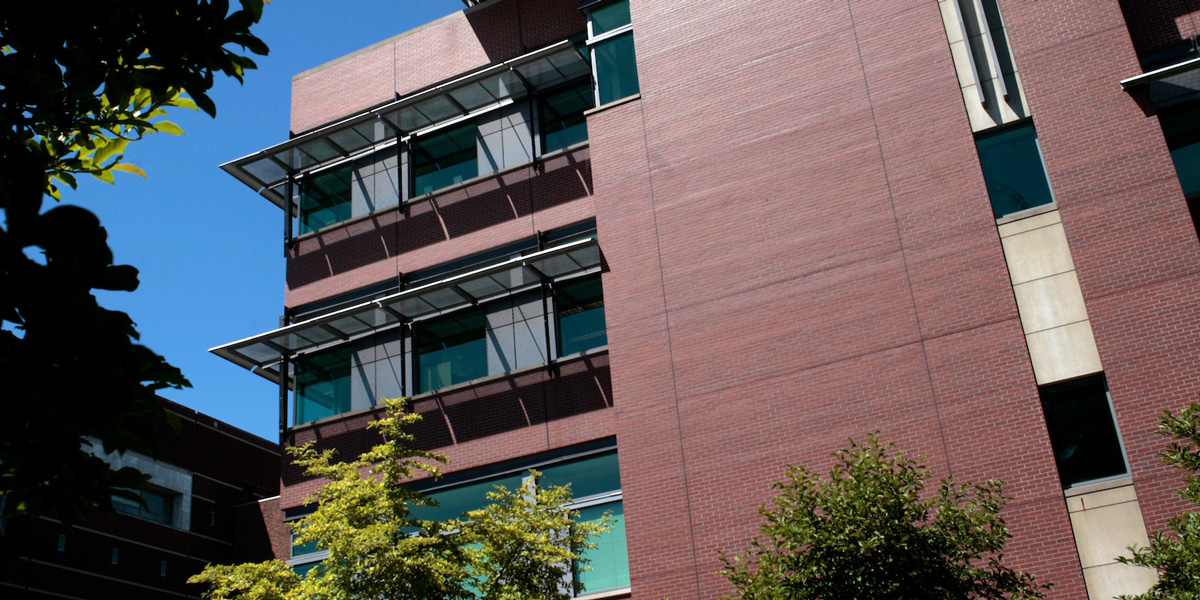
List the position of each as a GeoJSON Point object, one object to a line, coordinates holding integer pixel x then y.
{"type": "Point", "coordinates": [616, 68]}
{"type": "Point", "coordinates": [561, 117]}
{"type": "Point", "coordinates": [444, 158]}
{"type": "Point", "coordinates": [453, 502]}
{"type": "Point", "coordinates": [609, 560]}
{"type": "Point", "coordinates": [303, 569]}
{"type": "Point", "coordinates": [587, 476]}
{"type": "Point", "coordinates": [1082, 432]}
{"type": "Point", "coordinates": [609, 17]}
{"type": "Point", "coordinates": [1013, 169]}
{"type": "Point", "coordinates": [160, 506]}
{"type": "Point", "coordinates": [451, 350]}
{"type": "Point", "coordinates": [322, 385]}
{"type": "Point", "coordinates": [305, 548]}
{"type": "Point", "coordinates": [325, 199]}
{"type": "Point", "coordinates": [1182, 130]}
{"type": "Point", "coordinates": [580, 305]}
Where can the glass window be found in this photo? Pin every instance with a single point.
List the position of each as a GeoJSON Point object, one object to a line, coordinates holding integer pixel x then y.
{"type": "Point", "coordinates": [305, 548]}
{"type": "Point", "coordinates": [160, 506]}
{"type": "Point", "coordinates": [1013, 169]}
{"type": "Point", "coordinates": [325, 199]}
{"type": "Point", "coordinates": [444, 158]}
{"type": "Point", "coordinates": [455, 501]}
{"type": "Point", "coordinates": [451, 350]}
{"type": "Point", "coordinates": [609, 560]}
{"type": "Point", "coordinates": [588, 476]}
{"type": "Point", "coordinates": [616, 68]}
{"type": "Point", "coordinates": [322, 385]}
{"type": "Point", "coordinates": [580, 306]}
{"type": "Point", "coordinates": [1079, 418]}
{"type": "Point", "coordinates": [303, 569]}
{"type": "Point", "coordinates": [561, 117]}
{"type": "Point", "coordinates": [1182, 130]}
{"type": "Point", "coordinates": [609, 17]}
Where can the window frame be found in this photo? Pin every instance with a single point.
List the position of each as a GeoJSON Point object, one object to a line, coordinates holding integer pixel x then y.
{"type": "Point", "coordinates": [1102, 381]}
{"type": "Point", "coordinates": [593, 40]}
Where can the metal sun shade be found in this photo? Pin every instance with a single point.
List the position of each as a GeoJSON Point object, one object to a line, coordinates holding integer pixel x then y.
{"type": "Point", "coordinates": [1170, 85]}
{"type": "Point", "coordinates": [263, 353]}
{"type": "Point", "coordinates": [266, 171]}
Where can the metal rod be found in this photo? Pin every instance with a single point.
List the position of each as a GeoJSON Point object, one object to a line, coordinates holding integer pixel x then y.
{"type": "Point", "coordinates": [287, 214]}
{"type": "Point", "coordinates": [283, 389]}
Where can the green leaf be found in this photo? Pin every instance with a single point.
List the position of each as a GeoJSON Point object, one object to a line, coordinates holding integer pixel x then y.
{"type": "Point", "coordinates": [129, 168]}
{"type": "Point", "coordinates": [104, 175]}
{"type": "Point", "coordinates": [112, 148]}
{"type": "Point", "coordinates": [168, 127]}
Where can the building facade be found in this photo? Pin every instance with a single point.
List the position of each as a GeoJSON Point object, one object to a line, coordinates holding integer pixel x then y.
{"type": "Point", "coordinates": [212, 497]}
{"type": "Point", "coordinates": [662, 250]}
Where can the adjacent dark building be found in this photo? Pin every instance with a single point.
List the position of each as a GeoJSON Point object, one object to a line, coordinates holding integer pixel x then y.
{"type": "Point", "coordinates": [212, 498]}
{"type": "Point", "coordinates": [660, 250]}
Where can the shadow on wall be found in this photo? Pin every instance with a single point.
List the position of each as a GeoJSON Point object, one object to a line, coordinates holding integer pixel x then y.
{"type": "Point", "coordinates": [507, 29]}
{"type": "Point", "coordinates": [450, 214]}
{"type": "Point", "coordinates": [1156, 24]}
{"type": "Point", "coordinates": [533, 398]}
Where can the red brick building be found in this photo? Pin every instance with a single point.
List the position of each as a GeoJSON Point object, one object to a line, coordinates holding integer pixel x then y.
{"type": "Point", "coordinates": [695, 242]}
{"type": "Point", "coordinates": [212, 497]}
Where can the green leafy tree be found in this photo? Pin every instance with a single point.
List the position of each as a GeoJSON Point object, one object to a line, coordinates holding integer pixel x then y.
{"type": "Point", "coordinates": [867, 531]}
{"type": "Point", "coordinates": [520, 546]}
{"type": "Point", "coordinates": [1176, 554]}
{"type": "Point", "coordinates": [79, 82]}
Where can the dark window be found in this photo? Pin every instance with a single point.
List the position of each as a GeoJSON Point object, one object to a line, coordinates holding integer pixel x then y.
{"type": "Point", "coordinates": [611, 42]}
{"type": "Point", "coordinates": [445, 158]}
{"type": "Point", "coordinates": [325, 199]}
{"type": "Point", "coordinates": [1083, 434]}
{"type": "Point", "coordinates": [160, 506]}
{"type": "Point", "coordinates": [1013, 169]}
{"type": "Point", "coordinates": [610, 17]}
{"type": "Point", "coordinates": [561, 117]}
{"type": "Point", "coordinates": [322, 385]}
{"type": "Point", "coordinates": [451, 350]}
{"type": "Point", "coordinates": [1181, 127]}
{"type": "Point", "coordinates": [580, 308]}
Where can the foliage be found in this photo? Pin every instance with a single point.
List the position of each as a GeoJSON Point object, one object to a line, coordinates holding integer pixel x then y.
{"type": "Point", "coordinates": [79, 81]}
{"type": "Point", "coordinates": [868, 531]}
{"type": "Point", "coordinates": [1176, 554]}
{"type": "Point", "coordinates": [520, 546]}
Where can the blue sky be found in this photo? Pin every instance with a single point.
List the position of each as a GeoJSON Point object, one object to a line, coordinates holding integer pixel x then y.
{"type": "Point", "coordinates": [209, 249]}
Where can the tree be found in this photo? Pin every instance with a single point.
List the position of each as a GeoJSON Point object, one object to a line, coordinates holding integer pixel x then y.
{"type": "Point", "coordinates": [520, 546]}
{"type": "Point", "coordinates": [80, 81]}
{"type": "Point", "coordinates": [867, 532]}
{"type": "Point", "coordinates": [1176, 554]}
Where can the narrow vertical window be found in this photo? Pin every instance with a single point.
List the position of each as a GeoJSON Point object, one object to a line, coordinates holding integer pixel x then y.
{"type": "Point", "coordinates": [444, 158]}
{"type": "Point", "coordinates": [560, 115]}
{"type": "Point", "coordinates": [1013, 169]}
{"type": "Point", "coordinates": [62, 542]}
{"type": "Point", "coordinates": [325, 198]}
{"type": "Point", "coordinates": [162, 569]}
{"type": "Point", "coordinates": [451, 350]}
{"type": "Point", "coordinates": [322, 385]}
{"type": "Point", "coordinates": [610, 38]}
{"type": "Point", "coordinates": [1083, 432]}
{"type": "Point", "coordinates": [114, 556]}
{"type": "Point", "coordinates": [580, 310]}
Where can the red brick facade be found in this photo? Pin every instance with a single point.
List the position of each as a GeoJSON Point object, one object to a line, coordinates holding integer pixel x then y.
{"type": "Point", "coordinates": [799, 249]}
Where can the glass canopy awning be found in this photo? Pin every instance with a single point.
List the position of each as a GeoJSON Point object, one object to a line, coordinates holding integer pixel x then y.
{"type": "Point", "coordinates": [264, 352]}
{"type": "Point", "coordinates": [267, 170]}
{"type": "Point", "coordinates": [1169, 85]}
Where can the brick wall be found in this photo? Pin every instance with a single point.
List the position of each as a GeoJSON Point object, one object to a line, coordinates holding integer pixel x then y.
{"type": "Point", "coordinates": [428, 55]}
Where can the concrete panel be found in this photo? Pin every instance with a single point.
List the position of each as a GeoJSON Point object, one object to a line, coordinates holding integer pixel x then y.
{"type": "Point", "coordinates": [387, 188]}
{"type": "Point", "coordinates": [500, 313]}
{"type": "Point", "coordinates": [1037, 253]}
{"type": "Point", "coordinates": [962, 65]}
{"type": "Point", "coordinates": [529, 339]}
{"type": "Point", "coordinates": [362, 384]}
{"type": "Point", "coordinates": [501, 350]}
{"type": "Point", "coordinates": [1029, 223]}
{"type": "Point", "coordinates": [1102, 498]}
{"type": "Point", "coordinates": [387, 378]}
{"type": "Point", "coordinates": [518, 146]}
{"type": "Point", "coordinates": [1115, 579]}
{"type": "Point", "coordinates": [362, 190]}
{"type": "Point", "coordinates": [1063, 353]}
{"type": "Point", "coordinates": [950, 19]}
{"type": "Point", "coordinates": [490, 148]}
{"type": "Point", "coordinates": [1050, 302]}
{"type": "Point", "coordinates": [1102, 534]}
